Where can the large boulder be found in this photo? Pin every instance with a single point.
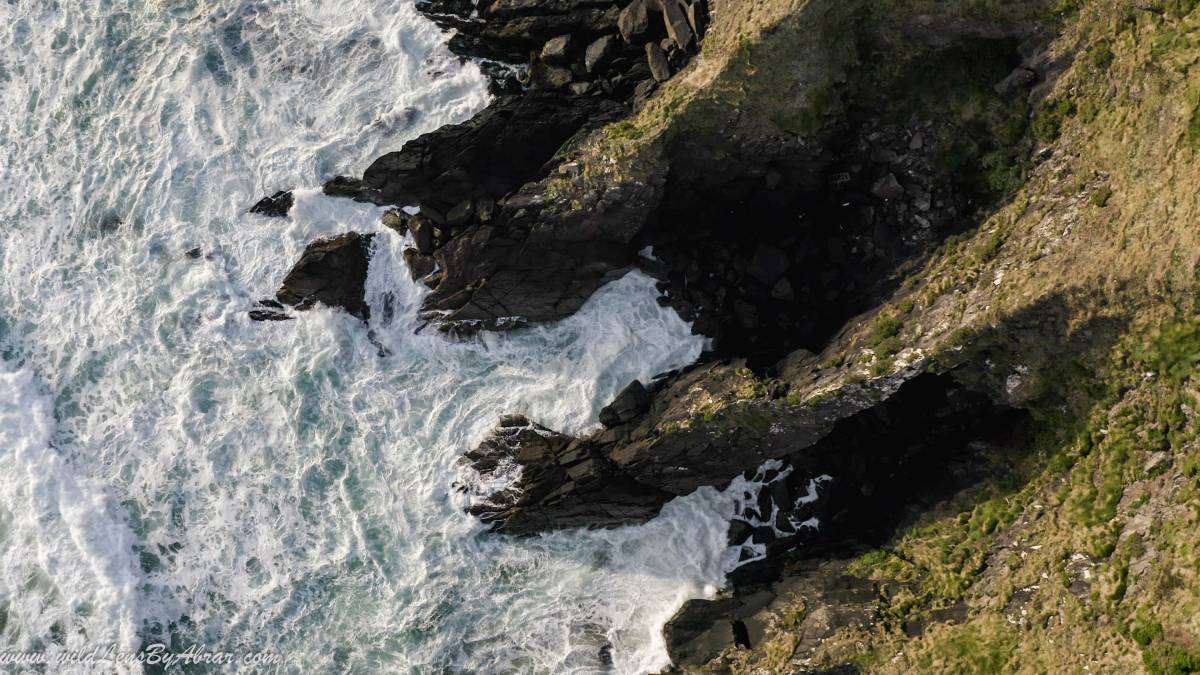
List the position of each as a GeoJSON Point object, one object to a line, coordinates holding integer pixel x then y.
{"type": "Point", "coordinates": [634, 21]}
{"type": "Point", "coordinates": [599, 53]}
{"type": "Point", "coordinates": [660, 68]}
{"type": "Point", "coordinates": [675, 16]}
{"type": "Point", "coordinates": [631, 403]}
{"type": "Point", "coordinates": [557, 51]}
{"type": "Point", "coordinates": [332, 272]}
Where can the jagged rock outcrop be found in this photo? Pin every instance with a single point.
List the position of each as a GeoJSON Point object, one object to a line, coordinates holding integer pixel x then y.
{"type": "Point", "coordinates": [276, 206]}
{"type": "Point", "coordinates": [630, 404]}
{"type": "Point", "coordinates": [490, 217]}
{"type": "Point", "coordinates": [332, 272]}
{"type": "Point", "coordinates": [564, 482]}
{"type": "Point", "coordinates": [487, 157]}
{"type": "Point", "coordinates": [961, 237]}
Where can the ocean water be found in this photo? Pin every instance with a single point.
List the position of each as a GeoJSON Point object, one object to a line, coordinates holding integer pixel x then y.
{"type": "Point", "coordinates": [173, 473]}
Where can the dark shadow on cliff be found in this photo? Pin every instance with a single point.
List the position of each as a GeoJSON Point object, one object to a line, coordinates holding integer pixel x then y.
{"type": "Point", "coordinates": [771, 251]}
{"type": "Point", "coordinates": [942, 444]}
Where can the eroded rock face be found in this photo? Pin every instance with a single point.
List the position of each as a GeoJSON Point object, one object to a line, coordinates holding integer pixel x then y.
{"type": "Point", "coordinates": [564, 482]}
{"type": "Point", "coordinates": [743, 614]}
{"type": "Point", "coordinates": [511, 246]}
{"type": "Point", "coordinates": [332, 272]}
{"type": "Point", "coordinates": [489, 156]}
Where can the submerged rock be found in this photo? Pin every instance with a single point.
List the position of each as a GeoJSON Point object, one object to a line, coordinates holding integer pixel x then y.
{"type": "Point", "coordinates": [332, 272]}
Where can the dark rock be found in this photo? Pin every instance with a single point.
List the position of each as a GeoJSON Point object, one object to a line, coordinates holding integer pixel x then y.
{"type": "Point", "coordinates": [276, 206]}
{"type": "Point", "coordinates": [422, 230]}
{"type": "Point", "coordinates": [332, 272]}
{"type": "Point", "coordinates": [741, 634]}
{"type": "Point", "coordinates": [739, 532]}
{"type": "Point", "coordinates": [631, 403]}
{"type": "Point", "coordinates": [764, 534]}
{"type": "Point", "coordinates": [701, 629]}
{"type": "Point", "coordinates": [509, 30]}
{"type": "Point", "coordinates": [396, 220]}
{"type": "Point", "coordinates": [634, 21]}
{"type": "Point", "coordinates": [194, 253]}
{"type": "Point", "coordinates": [679, 30]}
{"type": "Point", "coordinates": [557, 51]}
{"type": "Point", "coordinates": [768, 265]}
{"type": "Point", "coordinates": [657, 59]}
{"type": "Point", "coordinates": [550, 78]}
{"type": "Point", "coordinates": [642, 92]}
{"type": "Point", "coordinates": [782, 290]}
{"type": "Point", "coordinates": [783, 524]}
{"type": "Point", "coordinates": [489, 156]}
{"type": "Point", "coordinates": [564, 483]}
{"type": "Point", "coordinates": [269, 315]}
{"type": "Point", "coordinates": [419, 264]}
{"type": "Point", "coordinates": [756, 574]}
{"type": "Point", "coordinates": [600, 53]}
{"type": "Point", "coordinates": [1021, 79]}
{"type": "Point", "coordinates": [746, 313]}
{"type": "Point", "coordinates": [697, 15]}
{"type": "Point", "coordinates": [461, 213]}
{"type": "Point", "coordinates": [888, 188]}
{"type": "Point", "coordinates": [485, 208]}
{"type": "Point", "coordinates": [342, 186]}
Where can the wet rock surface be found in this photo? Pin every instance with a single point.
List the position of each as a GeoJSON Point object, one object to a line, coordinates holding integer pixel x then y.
{"type": "Point", "coordinates": [838, 464]}
{"type": "Point", "coordinates": [332, 272]}
{"type": "Point", "coordinates": [276, 206]}
{"type": "Point", "coordinates": [508, 255]}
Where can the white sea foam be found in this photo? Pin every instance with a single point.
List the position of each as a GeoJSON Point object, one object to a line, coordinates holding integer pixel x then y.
{"type": "Point", "coordinates": [65, 554]}
{"type": "Point", "coordinates": [172, 471]}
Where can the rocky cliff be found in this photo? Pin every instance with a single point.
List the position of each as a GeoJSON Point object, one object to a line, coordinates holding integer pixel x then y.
{"type": "Point", "coordinates": [947, 253]}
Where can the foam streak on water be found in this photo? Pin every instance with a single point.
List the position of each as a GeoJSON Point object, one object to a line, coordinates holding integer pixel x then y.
{"type": "Point", "coordinates": [171, 472]}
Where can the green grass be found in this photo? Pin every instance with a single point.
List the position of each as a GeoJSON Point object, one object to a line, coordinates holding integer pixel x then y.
{"type": "Point", "coordinates": [1049, 121]}
{"type": "Point", "coordinates": [1174, 352]}
{"type": "Point", "coordinates": [1193, 127]}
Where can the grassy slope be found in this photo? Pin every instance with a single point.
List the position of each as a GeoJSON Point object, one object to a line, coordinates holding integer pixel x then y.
{"type": "Point", "coordinates": [1076, 298]}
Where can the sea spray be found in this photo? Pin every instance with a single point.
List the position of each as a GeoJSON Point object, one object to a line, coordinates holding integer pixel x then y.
{"type": "Point", "coordinates": [180, 475]}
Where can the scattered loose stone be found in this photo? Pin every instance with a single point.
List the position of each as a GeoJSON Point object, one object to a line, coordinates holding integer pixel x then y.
{"type": "Point", "coordinates": [660, 69]}
{"type": "Point", "coordinates": [599, 53]}
{"type": "Point", "coordinates": [888, 188]}
{"type": "Point", "coordinates": [678, 27]}
{"type": "Point", "coordinates": [557, 50]}
{"type": "Point", "coordinates": [634, 21]}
